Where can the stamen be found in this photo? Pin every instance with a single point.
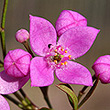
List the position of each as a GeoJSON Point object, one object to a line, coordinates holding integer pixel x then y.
{"type": "Point", "coordinates": [62, 63]}
{"type": "Point", "coordinates": [69, 56]}
{"type": "Point", "coordinates": [55, 61]}
{"type": "Point", "coordinates": [56, 57]}
{"type": "Point", "coordinates": [62, 49]}
{"type": "Point", "coordinates": [55, 50]}
{"type": "Point", "coordinates": [65, 63]}
{"type": "Point", "coordinates": [65, 51]}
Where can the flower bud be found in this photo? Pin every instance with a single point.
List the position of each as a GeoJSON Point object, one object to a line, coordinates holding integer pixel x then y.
{"type": "Point", "coordinates": [102, 68]}
{"type": "Point", "coordinates": [69, 19]}
{"type": "Point", "coordinates": [17, 63]}
{"type": "Point", "coordinates": [22, 35]}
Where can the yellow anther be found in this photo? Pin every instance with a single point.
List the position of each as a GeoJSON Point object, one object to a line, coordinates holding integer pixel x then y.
{"type": "Point", "coordinates": [65, 63]}
{"type": "Point", "coordinates": [62, 63]}
{"type": "Point", "coordinates": [65, 51]}
{"type": "Point", "coordinates": [55, 61]}
{"type": "Point", "coordinates": [69, 56]}
{"type": "Point", "coordinates": [62, 49]}
{"type": "Point", "coordinates": [55, 50]}
{"type": "Point", "coordinates": [55, 54]}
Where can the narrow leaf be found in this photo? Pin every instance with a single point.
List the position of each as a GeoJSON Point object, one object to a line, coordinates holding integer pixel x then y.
{"type": "Point", "coordinates": [71, 95]}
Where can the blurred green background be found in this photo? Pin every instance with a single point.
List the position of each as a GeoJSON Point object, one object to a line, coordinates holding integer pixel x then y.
{"type": "Point", "coordinates": [97, 13]}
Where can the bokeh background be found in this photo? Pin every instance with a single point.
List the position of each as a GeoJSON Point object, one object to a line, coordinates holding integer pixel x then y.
{"type": "Point", "coordinates": [97, 13]}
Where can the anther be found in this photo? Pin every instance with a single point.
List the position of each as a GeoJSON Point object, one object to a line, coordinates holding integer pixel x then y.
{"type": "Point", "coordinates": [65, 63]}
{"type": "Point", "coordinates": [55, 61]}
{"type": "Point", "coordinates": [62, 49]}
{"type": "Point", "coordinates": [62, 63]}
{"type": "Point", "coordinates": [55, 50]}
{"type": "Point", "coordinates": [69, 56]}
{"type": "Point", "coordinates": [65, 51]}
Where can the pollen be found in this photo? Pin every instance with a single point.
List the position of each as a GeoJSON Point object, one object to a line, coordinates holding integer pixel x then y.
{"type": "Point", "coordinates": [65, 63]}
{"type": "Point", "coordinates": [62, 63]}
{"type": "Point", "coordinates": [65, 51]}
{"type": "Point", "coordinates": [62, 49]}
{"type": "Point", "coordinates": [69, 56]}
{"type": "Point", "coordinates": [55, 50]}
{"type": "Point", "coordinates": [55, 61]}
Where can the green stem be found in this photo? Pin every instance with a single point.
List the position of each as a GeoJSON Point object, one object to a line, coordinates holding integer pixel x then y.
{"type": "Point", "coordinates": [20, 98]}
{"type": "Point", "coordinates": [89, 93]}
{"type": "Point", "coordinates": [2, 31]}
{"type": "Point", "coordinates": [4, 14]}
{"type": "Point", "coordinates": [45, 94]}
{"type": "Point", "coordinates": [1, 64]}
{"type": "Point", "coordinates": [26, 45]}
{"type": "Point", "coordinates": [13, 100]}
{"type": "Point", "coordinates": [81, 93]}
{"type": "Point", "coordinates": [27, 99]}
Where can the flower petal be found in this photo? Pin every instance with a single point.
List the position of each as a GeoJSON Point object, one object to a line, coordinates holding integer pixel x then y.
{"type": "Point", "coordinates": [9, 84]}
{"type": "Point", "coordinates": [69, 19]}
{"type": "Point", "coordinates": [102, 68]}
{"type": "Point", "coordinates": [3, 104]}
{"type": "Point", "coordinates": [74, 73]}
{"type": "Point", "coordinates": [41, 74]}
{"type": "Point", "coordinates": [42, 33]}
{"type": "Point", "coordinates": [78, 40]}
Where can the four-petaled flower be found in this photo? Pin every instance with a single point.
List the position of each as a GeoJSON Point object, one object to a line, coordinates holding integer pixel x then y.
{"type": "Point", "coordinates": [56, 56]}
{"type": "Point", "coordinates": [74, 41]}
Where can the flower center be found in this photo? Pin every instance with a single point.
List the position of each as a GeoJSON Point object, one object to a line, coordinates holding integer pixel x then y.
{"type": "Point", "coordinates": [57, 56]}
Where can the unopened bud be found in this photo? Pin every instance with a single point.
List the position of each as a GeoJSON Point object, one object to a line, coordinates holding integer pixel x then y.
{"type": "Point", "coordinates": [17, 63]}
{"type": "Point", "coordinates": [102, 68]}
{"type": "Point", "coordinates": [22, 35]}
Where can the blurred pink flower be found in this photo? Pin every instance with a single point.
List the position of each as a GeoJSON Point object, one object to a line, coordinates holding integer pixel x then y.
{"type": "Point", "coordinates": [3, 104]}
{"type": "Point", "coordinates": [56, 56]}
{"type": "Point", "coordinates": [102, 68]}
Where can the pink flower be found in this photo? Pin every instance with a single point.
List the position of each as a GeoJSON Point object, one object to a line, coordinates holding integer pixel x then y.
{"type": "Point", "coordinates": [102, 68]}
{"type": "Point", "coordinates": [69, 19]}
{"type": "Point", "coordinates": [3, 104]}
{"type": "Point", "coordinates": [16, 73]}
{"type": "Point", "coordinates": [56, 56]}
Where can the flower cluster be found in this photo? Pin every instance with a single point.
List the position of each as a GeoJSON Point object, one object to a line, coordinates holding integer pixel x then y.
{"type": "Point", "coordinates": [53, 56]}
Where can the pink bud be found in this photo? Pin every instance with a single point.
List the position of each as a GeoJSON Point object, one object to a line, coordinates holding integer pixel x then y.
{"type": "Point", "coordinates": [22, 35]}
{"type": "Point", "coordinates": [102, 68]}
{"type": "Point", "coordinates": [17, 63]}
{"type": "Point", "coordinates": [69, 19]}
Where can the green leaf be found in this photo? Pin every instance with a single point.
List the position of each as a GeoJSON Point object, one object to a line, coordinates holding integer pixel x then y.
{"type": "Point", "coordinates": [70, 93]}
